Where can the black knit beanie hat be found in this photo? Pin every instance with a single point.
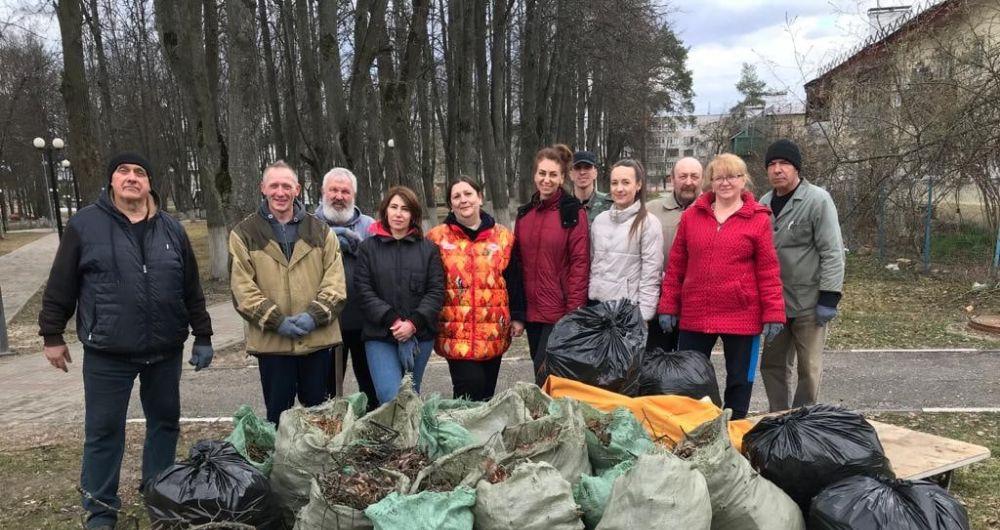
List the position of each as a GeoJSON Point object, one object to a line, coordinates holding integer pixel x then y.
{"type": "Point", "coordinates": [784, 150]}
{"type": "Point", "coordinates": [129, 158]}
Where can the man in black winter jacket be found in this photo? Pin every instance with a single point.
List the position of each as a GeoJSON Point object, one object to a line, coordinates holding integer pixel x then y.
{"type": "Point", "coordinates": [129, 273]}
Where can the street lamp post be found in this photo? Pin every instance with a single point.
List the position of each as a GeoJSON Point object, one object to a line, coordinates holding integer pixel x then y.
{"type": "Point", "coordinates": [72, 176]}
{"type": "Point", "coordinates": [57, 144]}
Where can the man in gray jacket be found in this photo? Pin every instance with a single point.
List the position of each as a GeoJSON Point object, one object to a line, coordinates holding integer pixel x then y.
{"type": "Point", "coordinates": [811, 252]}
{"type": "Point", "coordinates": [338, 210]}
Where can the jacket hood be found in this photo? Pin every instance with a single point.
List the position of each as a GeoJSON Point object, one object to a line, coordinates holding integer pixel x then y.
{"type": "Point", "coordinates": [486, 221]}
{"type": "Point", "coordinates": [106, 202]}
{"type": "Point", "coordinates": [623, 216]}
{"type": "Point", "coordinates": [750, 205]}
{"type": "Point", "coordinates": [298, 211]}
{"type": "Point", "coordinates": [376, 229]}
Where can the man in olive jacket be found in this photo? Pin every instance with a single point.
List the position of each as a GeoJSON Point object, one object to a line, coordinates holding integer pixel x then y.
{"type": "Point", "coordinates": [811, 252]}
{"type": "Point", "coordinates": [287, 279]}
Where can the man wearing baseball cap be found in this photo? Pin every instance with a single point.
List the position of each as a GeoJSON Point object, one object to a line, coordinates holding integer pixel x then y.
{"type": "Point", "coordinates": [584, 177]}
{"type": "Point", "coordinates": [811, 253]}
{"type": "Point", "coordinates": [129, 273]}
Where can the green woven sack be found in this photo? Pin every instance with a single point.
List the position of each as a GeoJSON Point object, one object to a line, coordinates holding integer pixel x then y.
{"type": "Point", "coordinates": [427, 510]}
{"type": "Point", "coordinates": [613, 437]}
{"type": "Point", "coordinates": [592, 493]}
{"type": "Point", "coordinates": [252, 430]}
{"type": "Point", "coordinates": [440, 436]}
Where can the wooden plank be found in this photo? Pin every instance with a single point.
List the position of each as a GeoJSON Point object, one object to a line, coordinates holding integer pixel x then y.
{"type": "Point", "coordinates": [915, 455]}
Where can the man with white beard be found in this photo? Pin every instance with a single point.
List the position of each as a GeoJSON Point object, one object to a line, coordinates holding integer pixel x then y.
{"type": "Point", "coordinates": [338, 210]}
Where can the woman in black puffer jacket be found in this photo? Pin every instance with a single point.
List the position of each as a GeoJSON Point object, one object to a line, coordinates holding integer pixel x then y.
{"type": "Point", "coordinates": [400, 285]}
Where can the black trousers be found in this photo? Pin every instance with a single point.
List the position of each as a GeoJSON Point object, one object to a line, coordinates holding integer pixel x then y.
{"type": "Point", "coordinates": [354, 347]}
{"type": "Point", "coordinates": [474, 380]}
{"type": "Point", "coordinates": [107, 387]}
{"type": "Point", "coordinates": [538, 340]}
{"type": "Point", "coordinates": [657, 338]}
{"type": "Point", "coordinates": [283, 377]}
{"type": "Point", "coordinates": [741, 353]}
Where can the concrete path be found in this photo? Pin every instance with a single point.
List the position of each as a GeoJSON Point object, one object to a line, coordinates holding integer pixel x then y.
{"type": "Point", "coordinates": [32, 391]}
{"type": "Point", "coordinates": [23, 272]}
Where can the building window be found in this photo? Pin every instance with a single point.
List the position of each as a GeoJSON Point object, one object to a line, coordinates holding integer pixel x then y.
{"type": "Point", "coordinates": [689, 152]}
{"type": "Point", "coordinates": [673, 153]}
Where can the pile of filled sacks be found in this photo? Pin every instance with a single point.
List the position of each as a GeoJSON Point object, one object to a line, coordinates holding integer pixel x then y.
{"type": "Point", "coordinates": [570, 457]}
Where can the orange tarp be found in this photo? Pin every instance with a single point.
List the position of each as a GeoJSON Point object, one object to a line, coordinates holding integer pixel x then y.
{"type": "Point", "coordinates": [666, 418]}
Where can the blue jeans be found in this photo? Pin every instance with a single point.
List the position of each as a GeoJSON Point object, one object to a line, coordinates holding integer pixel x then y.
{"type": "Point", "coordinates": [282, 377]}
{"type": "Point", "coordinates": [107, 386]}
{"type": "Point", "coordinates": [386, 370]}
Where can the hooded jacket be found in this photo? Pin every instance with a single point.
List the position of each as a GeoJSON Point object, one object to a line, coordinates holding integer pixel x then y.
{"type": "Point", "coordinates": [551, 259]}
{"type": "Point", "coordinates": [267, 286]}
{"type": "Point", "coordinates": [132, 298]}
{"type": "Point", "coordinates": [350, 316]}
{"type": "Point", "coordinates": [623, 266]}
{"type": "Point", "coordinates": [399, 279]}
{"type": "Point", "coordinates": [475, 320]}
{"type": "Point", "coordinates": [723, 278]}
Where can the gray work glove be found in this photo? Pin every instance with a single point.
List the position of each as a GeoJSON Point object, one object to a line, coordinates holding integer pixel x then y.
{"type": "Point", "coordinates": [289, 329]}
{"type": "Point", "coordinates": [407, 351]}
{"type": "Point", "coordinates": [824, 314]}
{"type": "Point", "coordinates": [305, 322]}
{"type": "Point", "coordinates": [201, 356]}
{"type": "Point", "coordinates": [667, 322]}
{"type": "Point", "coordinates": [771, 330]}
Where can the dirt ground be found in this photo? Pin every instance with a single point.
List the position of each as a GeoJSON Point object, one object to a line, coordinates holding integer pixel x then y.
{"type": "Point", "coordinates": [15, 240]}
{"type": "Point", "coordinates": [40, 469]}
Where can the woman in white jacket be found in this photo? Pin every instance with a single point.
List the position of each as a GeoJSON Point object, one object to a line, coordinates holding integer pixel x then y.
{"type": "Point", "coordinates": [626, 244]}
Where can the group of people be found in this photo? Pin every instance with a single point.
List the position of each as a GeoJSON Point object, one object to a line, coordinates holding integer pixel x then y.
{"type": "Point", "coordinates": [706, 261]}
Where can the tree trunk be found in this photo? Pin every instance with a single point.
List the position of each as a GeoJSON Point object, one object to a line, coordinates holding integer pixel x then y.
{"type": "Point", "coordinates": [317, 135]}
{"type": "Point", "coordinates": [93, 19]}
{"type": "Point", "coordinates": [82, 141]}
{"type": "Point", "coordinates": [333, 79]}
{"type": "Point", "coordinates": [369, 14]}
{"type": "Point", "coordinates": [242, 105]}
{"type": "Point", "coordinates": [493, 171]}
{"type": "Point", "coordinates": [273, 105]}
{"type": "Point", "coordinates": [179, 24]}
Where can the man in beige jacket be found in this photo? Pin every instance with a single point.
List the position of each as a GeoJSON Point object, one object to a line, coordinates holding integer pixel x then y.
{"type": "Point", "coordinates": [287, 279]}
{"type": "Point", "coordinates": [686, 178]}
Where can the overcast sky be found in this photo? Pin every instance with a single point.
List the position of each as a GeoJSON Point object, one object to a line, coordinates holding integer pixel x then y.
{"type": "Point", "coordinates": [786, 39]}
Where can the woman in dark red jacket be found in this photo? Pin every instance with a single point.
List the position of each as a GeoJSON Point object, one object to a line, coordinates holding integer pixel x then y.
{"type": "Point", "coordinates": [551, 255]}
{"type": "Point", "coordinates": [723, 278]}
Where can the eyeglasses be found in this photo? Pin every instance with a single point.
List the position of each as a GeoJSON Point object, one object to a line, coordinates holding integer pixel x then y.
{"type": "Point", "coordinates": [727, 178]}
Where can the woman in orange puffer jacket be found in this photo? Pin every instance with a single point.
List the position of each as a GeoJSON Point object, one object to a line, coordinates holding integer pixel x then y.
{"type": "Point", "coordinates": [475, 328]}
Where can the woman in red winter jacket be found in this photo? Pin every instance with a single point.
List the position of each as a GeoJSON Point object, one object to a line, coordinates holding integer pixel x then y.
{"type": "Point", "coordinates": [549, 274]}
{"type": "Point", "coordinates": [723, 279]}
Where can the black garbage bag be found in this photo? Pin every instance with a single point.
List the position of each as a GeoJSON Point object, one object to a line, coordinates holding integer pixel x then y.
{"type": "Point", "coordinates": [679, 373]}
{"type": "Point", "coordinates": [809, 448]}
{"type": "Point", "coordinates": [600, 345]}
{"type": "Point", "coordinates": [869, 503]}
{"type": "Point", "coordinates": [214, 484]}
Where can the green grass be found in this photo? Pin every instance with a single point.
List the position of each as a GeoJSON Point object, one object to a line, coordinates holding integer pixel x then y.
{"type": "Point", "coordinates": [909, 309]}
{"type": "Point", "coordinates": [966, 243]}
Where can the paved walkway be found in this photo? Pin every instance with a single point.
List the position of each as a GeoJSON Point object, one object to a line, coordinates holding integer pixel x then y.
{"type": "Point", "coordinates": [32, 391]}
{"type": "Point", "coordinates": [23, 272]}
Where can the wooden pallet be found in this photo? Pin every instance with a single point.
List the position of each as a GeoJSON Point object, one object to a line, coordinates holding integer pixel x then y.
{"type": "Point", "coordinates": [916, 455]}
